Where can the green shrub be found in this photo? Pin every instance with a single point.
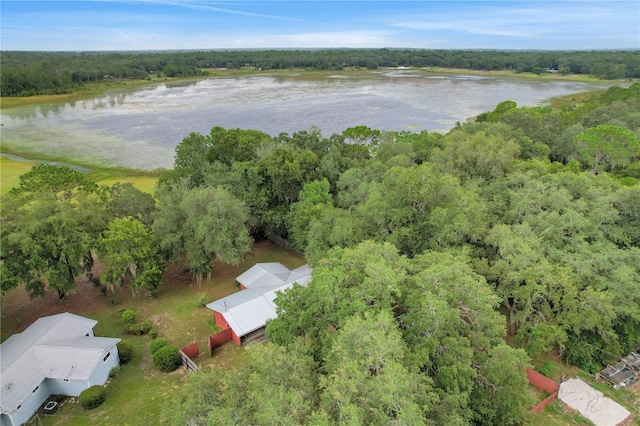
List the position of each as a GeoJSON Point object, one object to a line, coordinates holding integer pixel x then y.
{"type": "Point", "coordinates": [146, 326]}
{"type": "Point", "coordinates": [135, 329]}
{"type": "Point", "coordinates": [153, 333]}
{"type": "Point", "coordinates": [114, 371]}
{"type": "Point", "coordinates": [546, 369]}
{"type": "Point", "coordinates": [125, 351]}
{"type": "Point", "coordinates": [92, 397]}
{"type": "Point", "coordinates": [167, 358]}
{"type": "Point", "coordinates": [201, 301]}
{"type": "Point", "coordinates": [157, 344]}
{"type": "Point", "coordinates": [211, 323]}
{"type": "Point", "coordinates": [129, 316]}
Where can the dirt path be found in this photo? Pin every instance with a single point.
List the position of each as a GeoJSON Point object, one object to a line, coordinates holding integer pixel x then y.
{"type": "Point", "coordinates": [18, 311]}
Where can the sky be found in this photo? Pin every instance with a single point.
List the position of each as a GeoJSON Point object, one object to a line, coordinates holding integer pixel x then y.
{"type": "Point", "coordinates": [236, 24]}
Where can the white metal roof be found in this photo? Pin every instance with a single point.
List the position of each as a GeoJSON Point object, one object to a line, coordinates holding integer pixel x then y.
{"type": "Point", "coordinates": [249, 316]}
{"type": "Point", "coordinates": [54, 347]}
{"type": "Point", "coordinates": [250, 309]}
{"type": "Point", "coordinates": [233, 300]}
{"type": "Point", "coordinates": [264, 275]}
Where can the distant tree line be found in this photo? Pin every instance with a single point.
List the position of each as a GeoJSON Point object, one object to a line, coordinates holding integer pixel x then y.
{"type": "Point", "coordinates": [35, 73]}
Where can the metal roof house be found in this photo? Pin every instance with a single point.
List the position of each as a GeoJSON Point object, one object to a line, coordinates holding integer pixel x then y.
{"type": "Point", "coordinates": [246, 312]}
{"type": "Point", "coordinates": [56, 355]}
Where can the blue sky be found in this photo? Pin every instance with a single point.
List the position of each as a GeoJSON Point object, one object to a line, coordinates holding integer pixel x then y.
{"type": "Point", "coordinates": [207, 24]}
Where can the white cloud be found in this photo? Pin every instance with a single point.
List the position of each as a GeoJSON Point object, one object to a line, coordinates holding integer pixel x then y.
{"type": "Point", "coordinates": [531, 20]}
{"type": "Point", "coordinates": [208, 8]}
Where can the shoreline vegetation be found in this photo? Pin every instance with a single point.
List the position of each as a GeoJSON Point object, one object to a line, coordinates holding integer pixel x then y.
{"type": "Point", "coordinates": [101, 87]}
{"type": "Point", "coordinates": [42, 73]}
{"type": "Point", "coordinates": [77, 76]}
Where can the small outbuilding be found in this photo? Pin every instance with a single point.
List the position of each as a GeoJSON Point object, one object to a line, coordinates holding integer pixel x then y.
{"type": "Point", "coordinates": [246, 312]}
{"type": "Point", "coordinates": [56, 355]}
{"type": "Point", "coordinates": [624, 374]}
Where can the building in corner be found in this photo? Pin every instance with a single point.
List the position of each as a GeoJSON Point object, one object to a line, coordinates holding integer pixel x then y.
{"type": "Point", "coordinates": [246, 312]}
{"type": "Point", "coordinates": [56, 355]}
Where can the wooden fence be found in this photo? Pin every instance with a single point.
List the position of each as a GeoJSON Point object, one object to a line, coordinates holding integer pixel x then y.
{"type": "Point", "coordinates": [544, 384]}
{"type": "Point", "coordinates": [218, 339]}
{"type": "Point", "coordinates": [188, 362]}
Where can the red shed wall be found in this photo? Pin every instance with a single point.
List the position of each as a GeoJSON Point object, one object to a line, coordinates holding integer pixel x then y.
{"type": "Point", "coordinates": [235, 338]}
{"type": "Point", "coordinates": [220, 321]}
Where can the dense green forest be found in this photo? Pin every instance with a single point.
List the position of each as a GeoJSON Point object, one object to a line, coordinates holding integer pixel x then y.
{"type": "Point", "coordinates": [430, 252]}
{"type": "Point", "coordinates": [37, 73]}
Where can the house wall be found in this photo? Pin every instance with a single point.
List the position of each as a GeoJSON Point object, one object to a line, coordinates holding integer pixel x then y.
{"type": "Point", "coordinates": [101, 372]}
{"type": "Point", "coordinates": [28, 407]}
{"type": "Point", "coordinates": [67, 387]}
{"type": "Point", "coordinates": [98, 377]}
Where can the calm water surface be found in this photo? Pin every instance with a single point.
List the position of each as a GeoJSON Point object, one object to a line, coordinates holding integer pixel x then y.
{"type": "Point", "coordinates": [140, 128]}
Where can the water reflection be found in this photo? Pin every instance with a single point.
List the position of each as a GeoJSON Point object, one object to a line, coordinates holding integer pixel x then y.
{"type": "Point", "coordinates": [140, 127]}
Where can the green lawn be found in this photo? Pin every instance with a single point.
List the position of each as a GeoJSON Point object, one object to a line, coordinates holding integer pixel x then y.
{"type": "Point", "coordinates": [10, 171]}
{"type": "Point", "coordinates": [143, 183]}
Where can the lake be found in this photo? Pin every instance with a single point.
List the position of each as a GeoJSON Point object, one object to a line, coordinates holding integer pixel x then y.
{"type": "Point", "coordinates": [140, 128]}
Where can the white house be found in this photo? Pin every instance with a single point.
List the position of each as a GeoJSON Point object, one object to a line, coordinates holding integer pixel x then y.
{"type": "Point", "coordinates": [56, 355]}
{"type": "Point", "coordinates": [246, 312]}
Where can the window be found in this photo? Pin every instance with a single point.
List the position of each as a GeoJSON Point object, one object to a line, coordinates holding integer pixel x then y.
{"type": "Point", "coordinates": [36, 389]}
{"type": "Point", "coordinates": [106, 357]}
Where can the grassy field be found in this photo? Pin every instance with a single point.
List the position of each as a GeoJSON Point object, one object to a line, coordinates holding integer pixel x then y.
{"type": "Point", "coordinates": [143, 183]}
{"type": "Point", "coordinates": [10, 171]}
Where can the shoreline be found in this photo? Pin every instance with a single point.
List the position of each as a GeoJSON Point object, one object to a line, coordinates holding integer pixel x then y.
{"type": "Point", "coordinates": [118, 171]}
{"type": "Point", "coordinates": [87, 92]}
